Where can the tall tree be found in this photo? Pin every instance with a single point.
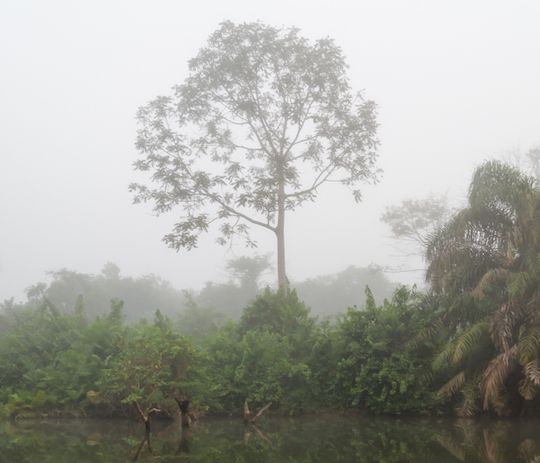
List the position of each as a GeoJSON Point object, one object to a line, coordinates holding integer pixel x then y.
{"type": "Point", "coordinates": [244, 283]}
{"type": "Point", "coordinates": [249, 270]}
{"type": "Point", "coordinates": [414, 221]}
{"type": "Point", "coordinates": [263, 120]}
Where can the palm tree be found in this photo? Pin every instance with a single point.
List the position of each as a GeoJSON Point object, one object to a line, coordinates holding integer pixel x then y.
{"type": "Point", "coordinates": [486, 260]}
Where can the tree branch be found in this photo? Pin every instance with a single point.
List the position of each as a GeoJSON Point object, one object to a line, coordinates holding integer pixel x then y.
{"type": "Point", "coordinates": [259, 414]}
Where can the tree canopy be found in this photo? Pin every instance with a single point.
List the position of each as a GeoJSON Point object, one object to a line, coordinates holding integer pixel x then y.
{"type": "Point", "coordinates": [415, 220]}
{"type": "Point", "coordinates": [263, 120]}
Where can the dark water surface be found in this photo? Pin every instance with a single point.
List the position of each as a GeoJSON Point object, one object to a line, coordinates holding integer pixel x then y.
{"type": "Point", "coordinates": [305, 439]}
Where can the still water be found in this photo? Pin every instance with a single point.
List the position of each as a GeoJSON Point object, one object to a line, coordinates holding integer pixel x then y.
{"type": "Point", "coordinates": [305, 439]}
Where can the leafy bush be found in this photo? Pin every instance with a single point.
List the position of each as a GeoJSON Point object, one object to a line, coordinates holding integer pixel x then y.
{"type": "Point", "coordinates": [153, 366]}
{"type": "Point", "coordinates": [380, 368]}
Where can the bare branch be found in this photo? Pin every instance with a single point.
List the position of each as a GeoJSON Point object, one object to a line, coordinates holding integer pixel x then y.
{"type": "Point", "coordinates": [259, 414]}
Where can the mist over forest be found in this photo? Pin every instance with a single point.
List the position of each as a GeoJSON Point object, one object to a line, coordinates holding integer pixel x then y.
{"type": "Point", "coordinates": [454, 84]}
{"type": "Point", "coordinates": [327, 295]}
{"type": "Point", "coordinates": [216, 204]}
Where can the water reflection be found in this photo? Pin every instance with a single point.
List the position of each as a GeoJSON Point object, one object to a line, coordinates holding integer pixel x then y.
{"type": "Point", "coordinates": [341, 439]}
{"type": "Point", "coordinates": [498, 441]}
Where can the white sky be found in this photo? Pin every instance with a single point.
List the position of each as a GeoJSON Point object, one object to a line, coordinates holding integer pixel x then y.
{"type": "Point", "coordinates": [456, 82]}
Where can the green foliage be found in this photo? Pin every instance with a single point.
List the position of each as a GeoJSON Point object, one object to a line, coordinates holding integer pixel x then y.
{"type": "Point", "coordinates": [249, 270]}
{"type": "Point", "coordinates": [269, 372]}
{"type": "Point", "coordinates": [231, 297]}
{"type": "Point", "coordinates": [28, 404]}
{"type": "Point", "coordinates": [54, 363]}
{"type": "Point", "coordinates": [51, 360]}
{"type": "Point", "coordinates": [153, 366]}
{"type": "Point", "coordinates": [274, 312]}
{"type": "Point", "coordinates": [227, 298]}
{"type": "Point", "coordinates": [368, 361]}
{"type": "Point", "coordinates": [380, 367]}
{"type": "Point", "coordinates": [263, 357]}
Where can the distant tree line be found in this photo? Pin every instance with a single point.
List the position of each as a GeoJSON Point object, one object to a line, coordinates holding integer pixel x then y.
{"type": "Point", "coordinates": [326, 295]}
{"type": "Point", "coordinates": [142, 295]}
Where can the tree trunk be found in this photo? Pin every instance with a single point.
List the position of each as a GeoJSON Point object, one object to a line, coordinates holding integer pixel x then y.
{"type": "Point", "coordinates": [146, 419]}
{"type": "Point", "coordinates": [145, 441]}
{"type": "Point", "coordinates": [246, 412]}
{"type": "Point", "coordinates": [183, 406]}
{"type": "Point", "coordinates": [280, 234]}
{"type": "Point", "coordinates": [184, 442]}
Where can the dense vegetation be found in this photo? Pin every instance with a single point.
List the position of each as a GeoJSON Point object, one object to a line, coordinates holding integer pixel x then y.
{"type": "Point", "coordinates": [471, 344]}
{"type": "Point", "coordinates": [486, 262]}
{"type": "Point", "coordinates": [55, 363]}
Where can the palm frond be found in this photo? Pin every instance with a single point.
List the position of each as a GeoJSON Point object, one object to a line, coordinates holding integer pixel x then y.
{"type": "Point", "coordinates": [496, 181]}
{"type": "Point", "coordinates": [464, 309]}
{"type": "Point", "coordinates": [527, 389]}
{"type": "Point", "coordinates": [444, 357]}
{"type": "Point", "coordinates": [453, 386]}
{"type": "Point", "coordinates": [518, 285]}
{"type": "Point", "coordinates": [496, 373]}
{"type": "Point", "coordinates": [533, 304]}
{"type": "Point", "coordinates": [468, 428]}
{"type": "Point", "coordinates": [428, 333]}
{"type": "Point", "coordinates": [532, 371]}
{"type": "Point", "coordinates": [468, 406]}
{"type": "Point", "coordinates": [529, 343]}
{"type": "Point", "coordinates": [500, 405]}
{"type": "Point", "coordinates": [426, 376]}
{"type": "Point", "coordinates": [453, 446]}
{"type": "Point", "coordinates": [470, 339]}
{"type": "Point", "coordinates": [503, 322]}
{"type": "Point", "coordinates": [530, 253]}
{"type": "Point", "coordinates": [493, 451]}
{"type": "Point", "coordinates": [496, 276]}
{"type": "Point", "coordinates": [534, 230]}
{"type": "Point", "coordinates": [499, 223]}
{"type": "Point", "coordinates": [528, 450]}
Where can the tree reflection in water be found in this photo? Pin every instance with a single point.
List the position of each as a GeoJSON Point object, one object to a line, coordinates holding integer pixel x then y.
{"type": "Point", "coordinates": [313, 439]}
{"type": "Point", "coordinates": [498, 441]}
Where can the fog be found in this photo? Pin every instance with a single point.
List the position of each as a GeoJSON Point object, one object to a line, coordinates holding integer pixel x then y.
{"type": "Point", "coordinates": [456, 83]}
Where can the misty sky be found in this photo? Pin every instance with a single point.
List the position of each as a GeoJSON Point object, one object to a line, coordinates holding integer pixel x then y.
{"type": "Point", "coordinates": [456, 82]}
